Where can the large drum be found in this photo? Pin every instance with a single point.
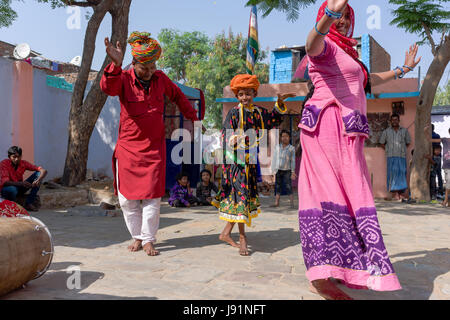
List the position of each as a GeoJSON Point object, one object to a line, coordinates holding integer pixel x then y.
{"type": "Point", "coordinates": [26, 251]}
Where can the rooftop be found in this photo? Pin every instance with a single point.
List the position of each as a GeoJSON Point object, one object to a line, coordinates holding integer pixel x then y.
{"type": "Point", "coordinates": [440, 110]}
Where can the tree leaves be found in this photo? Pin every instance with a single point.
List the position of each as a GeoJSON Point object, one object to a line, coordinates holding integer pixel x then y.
{"type": "Point", "coordinates": [7, 15]}
{"type": "Point", "coordinates": [290, 7]}
{"type": "Point", "coordinates": [422, 17]}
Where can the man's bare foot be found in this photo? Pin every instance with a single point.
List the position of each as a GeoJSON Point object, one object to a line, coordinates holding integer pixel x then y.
{"type": "Point", "coordinates": [135, 246]}
{"type": "Point", "coordinates": [243, 250]}
{"type": "Point", "coordinates": [328, 290]}
{"type": "Point", "coordinates": [227, 238]}
{"type": "Point", "coordinates": [275, 205]}
{"type": "Point", "coordinates": [150, 249]}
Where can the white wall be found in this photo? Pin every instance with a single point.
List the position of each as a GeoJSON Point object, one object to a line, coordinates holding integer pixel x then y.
{"type": "Point", "coordinates": [51, 118]}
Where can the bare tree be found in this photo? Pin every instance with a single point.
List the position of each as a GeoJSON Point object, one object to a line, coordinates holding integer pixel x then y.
{"type": "Point", "coordinates": [85, 109]}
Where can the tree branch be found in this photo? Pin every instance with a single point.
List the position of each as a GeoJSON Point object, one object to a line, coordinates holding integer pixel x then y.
{"type": "Point", "coordinates": [430, 38]}
{"type": "Point", "coordinates": [89, 3]}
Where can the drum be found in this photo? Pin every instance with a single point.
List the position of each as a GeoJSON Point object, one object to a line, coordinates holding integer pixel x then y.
{"type": "Point", "coordinates": [26, 251]}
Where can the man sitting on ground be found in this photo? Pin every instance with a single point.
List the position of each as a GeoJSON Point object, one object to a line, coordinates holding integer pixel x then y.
{"type": "Point", "coordinates": [11, 178]}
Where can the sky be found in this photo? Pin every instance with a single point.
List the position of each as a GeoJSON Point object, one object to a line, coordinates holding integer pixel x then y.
{"type": "Point", "coordinates": [56, 34]}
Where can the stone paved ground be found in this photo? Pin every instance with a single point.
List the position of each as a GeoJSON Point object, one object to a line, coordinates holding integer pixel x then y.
{"type": "Point", "coordinates": [194, 264]}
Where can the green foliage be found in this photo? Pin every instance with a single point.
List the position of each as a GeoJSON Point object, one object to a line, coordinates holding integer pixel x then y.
{"type": "Point", "coordinates": [7, 15]}
{"type": "Point", "coordinates": [290, 7]}
{"type": "Point", "coordinates": [421, 16]}
{"type": "Point", "coordinates": [442, 97]}
{"type": "Point", "coordinates": [213, 72]}
{"type": "Point", "coordinates": [56, 3]}
{"type": "Point", "coordinates": [179, 49]}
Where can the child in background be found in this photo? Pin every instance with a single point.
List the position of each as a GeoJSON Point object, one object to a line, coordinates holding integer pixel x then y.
{"type": "Point", "coordinates": [445, 166]}
{"type": "Point", "coordinates": [181, 194]}
{"type": "Point", "coordinates": [436, 168]}
{"type": "Point", "coordinates": [204, 188]}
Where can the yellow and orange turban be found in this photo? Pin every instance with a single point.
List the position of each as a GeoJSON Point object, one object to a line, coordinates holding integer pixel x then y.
{"type": "Point", "coordinates": [244, 81]}
{"type": "Point", "coordinates": [144, 48]}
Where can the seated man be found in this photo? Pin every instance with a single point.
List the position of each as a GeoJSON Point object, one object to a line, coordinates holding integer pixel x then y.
{"type": "Point", "coordinates": [11, 178]}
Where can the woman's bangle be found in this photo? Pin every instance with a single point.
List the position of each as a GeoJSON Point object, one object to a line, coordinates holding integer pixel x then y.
{"type": "Point", "coordinates": [398, 76]}
{"type": "Point", "coordinates": [332, 14]}
{"type": "Point", "coordinates": [408, 67]}
{"type": "Point", "coordinates": [322, 34]}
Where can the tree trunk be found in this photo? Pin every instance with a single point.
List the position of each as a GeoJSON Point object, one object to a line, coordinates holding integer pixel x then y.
{"type": "Point", "coordinates": [420, 173]}
{"type": "Point", "coordinates": [84, 112]}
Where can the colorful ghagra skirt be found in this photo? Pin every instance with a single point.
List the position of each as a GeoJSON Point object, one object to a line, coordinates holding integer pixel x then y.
{"type": "Point", "coordinates": [238, 199]}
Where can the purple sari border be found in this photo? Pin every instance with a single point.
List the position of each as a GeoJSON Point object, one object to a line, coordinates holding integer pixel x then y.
{"type": "Point", "coordinates": [354, 122]}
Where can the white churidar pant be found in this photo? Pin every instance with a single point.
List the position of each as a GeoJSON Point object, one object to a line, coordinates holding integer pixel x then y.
{"type": "Point", "coordinates": [141, 216]}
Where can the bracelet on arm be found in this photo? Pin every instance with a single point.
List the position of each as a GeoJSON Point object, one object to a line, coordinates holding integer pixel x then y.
{"type": "Point", "coordinates": [322, 34]}
{"type": "Point", "coordinates": [408, 67]}
{"type": "Point", "coordinates": [282, 111]}
{"type": "Point", "coordinates": [398, 76]}
{"type": "Point", "coordinates": [332, 14]}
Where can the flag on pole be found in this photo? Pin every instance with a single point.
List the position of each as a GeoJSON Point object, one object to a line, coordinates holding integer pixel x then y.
{"type": "Point", "coordinates": [253, 43]}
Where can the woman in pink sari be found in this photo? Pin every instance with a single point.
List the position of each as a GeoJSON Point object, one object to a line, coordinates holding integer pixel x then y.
{"type": "Point", "coordinates": [340, 233]}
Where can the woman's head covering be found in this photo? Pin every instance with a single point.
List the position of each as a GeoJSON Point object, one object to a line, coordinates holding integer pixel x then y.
{"type": "Point", "coordinates": [144, 48]}
{"type": "Point", "coordinates": [244, 81]}
{"type": "Point", "coordinates": [345, 42]}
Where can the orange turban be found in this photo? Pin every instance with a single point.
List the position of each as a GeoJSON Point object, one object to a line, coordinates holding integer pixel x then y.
{"type": "Point", "coordinates": [244, 81]}
{"type": "Point", "coordinates": [143, 48]}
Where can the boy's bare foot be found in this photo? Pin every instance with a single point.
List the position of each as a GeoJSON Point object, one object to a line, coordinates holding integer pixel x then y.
{"type": "Point", "coordinates": [135, 246]}
{"type": "Point", "coordinates": [227, 238]}
{"type": "Point", "coordinates": [328, 290]}
{"type": "Point", "coordinates": [243, 250]}
{"type": "Point", "coordinates": [150, 249]}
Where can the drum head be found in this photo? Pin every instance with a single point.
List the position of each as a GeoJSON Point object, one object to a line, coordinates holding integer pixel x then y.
{"type": "Point", "coordinates": [41, 227]}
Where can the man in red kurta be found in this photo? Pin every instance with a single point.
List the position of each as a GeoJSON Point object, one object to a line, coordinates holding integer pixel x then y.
{"type": "Point", "coordinates": [139, 160]}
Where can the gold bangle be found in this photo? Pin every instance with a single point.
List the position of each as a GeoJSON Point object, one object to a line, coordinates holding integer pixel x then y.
{"type": "Point", "coordinates": [279, 109]}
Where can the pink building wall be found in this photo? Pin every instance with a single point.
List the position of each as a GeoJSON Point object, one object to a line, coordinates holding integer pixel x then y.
{"type": "Point", "coordinates": [376, 159]}
{"type": "Point", "coordinates": [22, 109]}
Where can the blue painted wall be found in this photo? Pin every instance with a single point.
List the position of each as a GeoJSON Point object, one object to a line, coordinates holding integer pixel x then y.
{"type": "Point", "coordinates": [280, 67]}
{"type": "Point", "coordinates": [6, 87]}
{"type": "Point", "coordinates": [365, 50]}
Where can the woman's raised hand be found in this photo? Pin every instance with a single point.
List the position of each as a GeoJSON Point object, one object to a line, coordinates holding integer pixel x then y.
{"type": "Point", "coordinates": [410, 56]}
{"type": "Point", "coordinates": [337, 5]}
{"type": "Point", "coordinates": [114, 52]}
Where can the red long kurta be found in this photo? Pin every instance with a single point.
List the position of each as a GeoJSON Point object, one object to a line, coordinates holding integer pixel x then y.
{"type": "Point", "coordinates": [141, 146]}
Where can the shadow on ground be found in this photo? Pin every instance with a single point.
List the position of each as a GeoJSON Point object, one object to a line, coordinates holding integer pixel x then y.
{"type": "Point", "coordinates": [417, 275]}
{"type": "Point", "coordinates": [59, 283]}
{"type": "Point", "coordinates": [412, 209]}
{"type": "Point", "coordinates": [262, 241]}
{"type": "Point", "coordinates": [95, 232]}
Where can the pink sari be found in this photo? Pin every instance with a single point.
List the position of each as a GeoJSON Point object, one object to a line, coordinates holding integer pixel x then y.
{"type": "Point", "coordinates": [339, 229]}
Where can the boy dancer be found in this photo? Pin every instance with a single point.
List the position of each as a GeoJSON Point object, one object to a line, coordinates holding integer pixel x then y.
{"type": "Point", "coordinates": [238, 200]}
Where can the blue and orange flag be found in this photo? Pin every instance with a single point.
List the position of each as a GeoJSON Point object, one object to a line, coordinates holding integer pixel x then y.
{"type": "Point", "coordinates": [253, 43]}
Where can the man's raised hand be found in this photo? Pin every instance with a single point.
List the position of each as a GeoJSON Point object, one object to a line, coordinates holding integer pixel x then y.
{"type": "Point", "coordinates": [114, 52]}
